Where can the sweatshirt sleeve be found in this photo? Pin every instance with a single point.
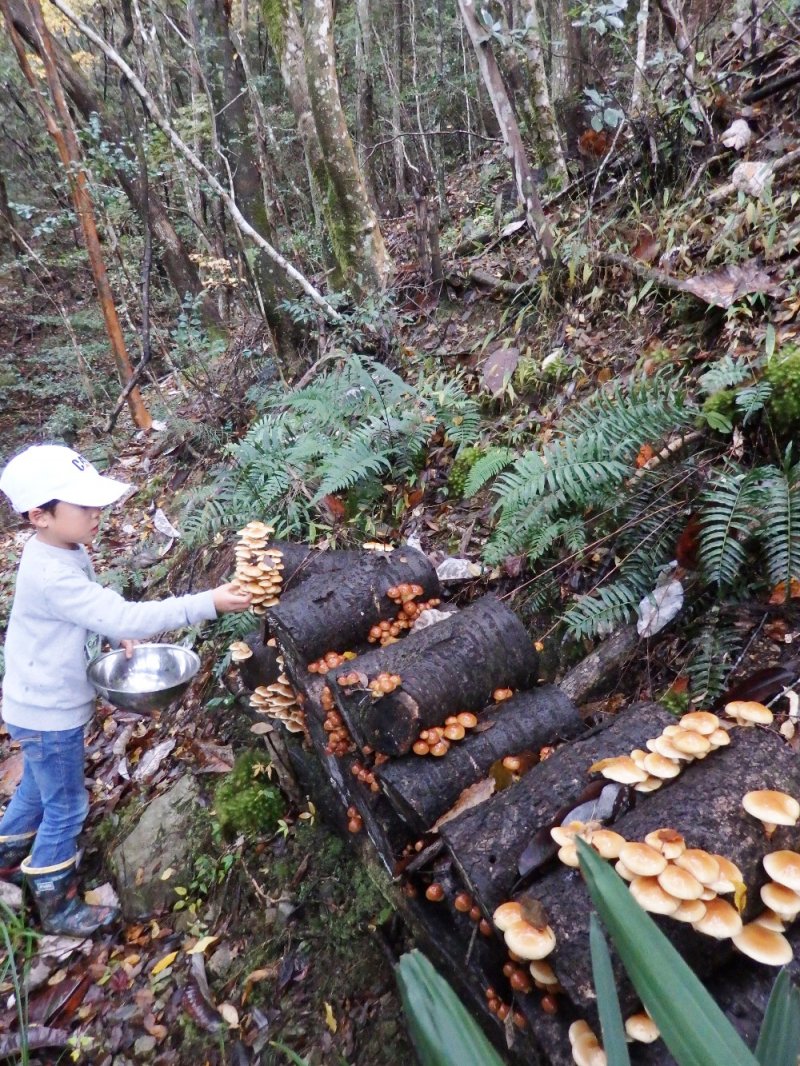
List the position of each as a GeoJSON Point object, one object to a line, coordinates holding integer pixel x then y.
{"type": "Point", "coordinates": [72, 597]}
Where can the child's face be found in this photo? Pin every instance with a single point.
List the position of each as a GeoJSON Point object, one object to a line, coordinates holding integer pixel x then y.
{"type": "Point", "coordinates": [69, 525]}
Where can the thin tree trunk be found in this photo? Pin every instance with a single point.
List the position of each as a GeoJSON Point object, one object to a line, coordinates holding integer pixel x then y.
{"type": "Point", "coordinates": [245, 227]}
{"type": "Point", "coordinates": [356, 237]}
{"type": "Point", "coordinates": [365, 98]}
{"type": "Point", "coordinates": [504, 112]}
{"type": "Point", "coordinates": [180, 269]}
{"type": "Point", "coordinates": [397, 107]}
{"type": "Point", "coordinates": [543, 115]}
{"type": "Point", "coordinates": [60, 128]}
{"type": "Point", "coordinates": [637, 91]}
{"type": "Point", "coordinates": [676, 24]}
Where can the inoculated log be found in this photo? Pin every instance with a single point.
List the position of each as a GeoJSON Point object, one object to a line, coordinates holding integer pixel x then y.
{"type": "Point", "coordinates": [487, 841]}
{"type": "Point", "coordinates": [452, 666]}
{"type": "Point", "coordinates": [705, 805]}
{"type": "Point", "coordinates": [423, 789]}
{"type": "Point", "coordinates": [300, 562]}
{"type": "Point", "coordinates": [262, 668]}
{"type": "Point", "coordinates": [335, 611]}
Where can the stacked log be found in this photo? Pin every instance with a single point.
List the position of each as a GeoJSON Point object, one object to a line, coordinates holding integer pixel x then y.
{"type": "Point", "coordinates": [469, 822]}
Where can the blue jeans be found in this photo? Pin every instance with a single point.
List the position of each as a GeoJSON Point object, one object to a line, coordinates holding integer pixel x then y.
{"type": "Point", "coordinates": [51, 797]}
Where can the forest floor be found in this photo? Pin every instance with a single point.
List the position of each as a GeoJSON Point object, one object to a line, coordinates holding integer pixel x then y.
{"type": "Point", "coordinates": [301, 937]}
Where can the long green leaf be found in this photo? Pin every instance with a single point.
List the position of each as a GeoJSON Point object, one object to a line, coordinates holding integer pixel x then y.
{"type": "Point", "coordinates": [614, 1043]}
{"type": "Point", "coordinates": [693, 1027]}
{"type": "Point", "coordinates": [444, 1033]}
{"type": "Point", "coordinates": [779, 1039]}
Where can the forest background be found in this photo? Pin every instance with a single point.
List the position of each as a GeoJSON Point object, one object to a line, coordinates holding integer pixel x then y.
{"type": "Point", "coordinates": [517, 280]}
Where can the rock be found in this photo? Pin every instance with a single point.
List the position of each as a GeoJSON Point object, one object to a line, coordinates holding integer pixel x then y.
{"type": "Point", "coordinates": [160, 840]}
{"type": "Point", "coordinates": [144, 1046]}
{"type": "Point", "coordinates": [221, 961]}
{"type": "Point", "coordinates": [11, 895]}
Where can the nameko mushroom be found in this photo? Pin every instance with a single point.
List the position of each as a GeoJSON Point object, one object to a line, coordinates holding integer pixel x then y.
{"type": "Point", "coordinates": [772, 808]}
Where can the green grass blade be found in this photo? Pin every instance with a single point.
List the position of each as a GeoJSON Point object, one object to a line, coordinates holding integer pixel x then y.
{"type": "Point", "coordinates": [692, 1026]}
{"type": "Point", "coordinates": [292, 1056]}
{"type": "Point", "coordinates": [443, 1031]}
{"type": "Point", "coordinates": [779, 1039]}
{"type": "Point", "coordinates": [614, 1043]}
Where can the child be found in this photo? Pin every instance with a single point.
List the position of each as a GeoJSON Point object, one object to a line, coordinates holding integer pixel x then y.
{"type": "Point", "coordinates": [58, 610]}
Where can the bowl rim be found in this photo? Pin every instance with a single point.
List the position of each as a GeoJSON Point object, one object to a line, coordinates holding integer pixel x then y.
{"type": "Point", "coordinates": [192, 655]}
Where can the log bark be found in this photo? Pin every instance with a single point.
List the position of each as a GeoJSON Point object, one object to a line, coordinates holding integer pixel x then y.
{"type": "Point", "coordinates": [300, 562]}
{"type": "Point", "coordinates": [582, 680]}
{"type": "Point", "coordinates": [704, 804]}
{"type": "Point", "coordinates": [334, 613]}
{"type": "Point", "coordinates": [487, 842]}
{"type": "Point", "coordinates": [422, 789]}
{"type": "Point", "coordinates": [262, 668]}
{"type": "Point", "coordinates": [452, 666]}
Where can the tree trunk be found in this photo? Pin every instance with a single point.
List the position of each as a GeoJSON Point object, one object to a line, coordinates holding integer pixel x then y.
{"type": "Point", "coordinates": [423, 789]}
{"type": "Point", "coordinates": [445, 668]}
{"type": "Point", "coordinates": [637, 90]}
{"type": "Point", "coordinates": [60, 128]}
{"type": "Point", "coordinates": [365, 98]}
{"type": "Point", "coordinates": [398, 148]}
{"type": "Point", "coordinates": [356, 238]}
{"type": "Point", "coordinates": [543, 116]}
{"type": "Point", "coordinates": [224, 76]}
{"type": "Point", "coordinates": [180, 269]}
{"type": "Point", "coordinates": [504, 112]}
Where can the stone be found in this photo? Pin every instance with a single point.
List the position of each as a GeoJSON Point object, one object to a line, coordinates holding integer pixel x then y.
{"type": "Point", "coordinates": [161, 840]}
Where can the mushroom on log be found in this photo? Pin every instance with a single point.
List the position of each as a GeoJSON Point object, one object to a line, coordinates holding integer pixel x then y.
{"type": "Point", "coordinates": [487, 842]}
{"type": "Point", "coordinates": [422, 790]}
{"type": "Point", "coordinates": [454, 665]}
{"type": "Point", "coordinates": [706, 807]}
{"type": "Point", "coordinates": [262, 667]}
{"type": "Point", "coordinates": [334, 611]}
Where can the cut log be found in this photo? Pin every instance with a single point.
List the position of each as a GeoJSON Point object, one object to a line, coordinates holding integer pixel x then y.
{"type": "Point", "coordinates": [704, 804]}
{"type": "Point", "coordinates": [300, 562]}
{"type": "Point", "coordinates": [454, 665]}
{"type": "Point", "coordinates": [423, 789]}
{"type": "Point", "coordinates": [335, 611]}
{"type": "Point", "coordinates": [262, 667]}
{"type": "Point", "coordinates": [487, 842]}
{"type": "Point", "coordinates": [605, 661]}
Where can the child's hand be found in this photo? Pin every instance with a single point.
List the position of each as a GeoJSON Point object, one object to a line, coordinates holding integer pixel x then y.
{"type": "Point", "coordinates": [231, 597]}
{"type": "Point", "coordinates": [128, 646]}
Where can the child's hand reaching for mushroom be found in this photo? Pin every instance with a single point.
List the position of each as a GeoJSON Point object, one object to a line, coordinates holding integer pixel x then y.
{"type": "Point", "coordinates": [231, 597]}
{"type": "Point", "coordinates": [128, 646]}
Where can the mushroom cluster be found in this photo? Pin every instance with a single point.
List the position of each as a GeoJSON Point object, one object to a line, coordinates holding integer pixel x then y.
{"type": "Point", "coordinates": [330, 661]}
{"type": "Point", "coordinates": [388, 631]}
{"type": "Point", "coordinates": [763, 939]}
{"type": "Point", "coordinates": [695, 736]}
{"type": "Point", "coordinates": [355, 823]}
{"type": "Point", "coordinates": [524, 939]}
{"type": "Point", "coordinates": [382, 684]}
{"type": "Point", "coordinates": [665, 876]}
{"type": "Point", "coordinates": [437, 740]}
{"type": "Point", "coordinates": [258, 567]}
{"type": "Point", "coordinates": [340, 743]}
{"type": "Point", "coordinates": [365, 776]}
{"type": "Point", "coordinates": [465, 904]}
{"type": "Point", "coordinates": [280, 701]}
{"type": "Point", "coordinates": [496, 1006]}
{"type": "Point", "coordinates": [586, 1048]}
{"type": "Point", "coordinates": [747, 713]}
{"type": "Point", "coordinates": [240, 650]}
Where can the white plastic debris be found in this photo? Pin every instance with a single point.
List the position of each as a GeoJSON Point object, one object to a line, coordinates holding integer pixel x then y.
{"type": "Point", "coordinates": [429, 618]}
{"type": "Point", "coordinates": [659, 608]}
{"type": "Point", "coordinates": [737, 136]}
{"type": "Point", "coordinates": [454, 569]}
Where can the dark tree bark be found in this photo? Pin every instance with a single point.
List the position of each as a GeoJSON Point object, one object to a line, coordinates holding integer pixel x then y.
{"type": "Point", "coordinates": [452, 666]}
{"type": "Point", "coordinates": [334, 612]}
{"type": "Point", "coordinates": [423, 789]}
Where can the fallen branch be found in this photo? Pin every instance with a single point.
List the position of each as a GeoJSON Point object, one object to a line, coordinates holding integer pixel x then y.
{"type": "Point", "coordinates": [178, 144]}
{"type": "Point", "coordinates": [489, 281]}
{"type": "Point", "coordinates": [35, 1037]}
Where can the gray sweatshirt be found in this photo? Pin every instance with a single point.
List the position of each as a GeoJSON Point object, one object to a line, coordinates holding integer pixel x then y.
{"type": "Point", "coordinates": [57, 609]}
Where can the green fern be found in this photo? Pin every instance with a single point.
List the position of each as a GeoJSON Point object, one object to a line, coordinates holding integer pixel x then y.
{"type": "Point", "coordinates": [599, 613]}
{"type": "Point", "coordinates": [779, 529]}
{"type": "Point", "coordinates": [712, 657]}
{"type": "Point", "coordinates": [731, 509]}
{"type": "Point", "coordinates": [753, 399]}
{"type": "Point", "coordinates": [725, 373]}
{"type": "Point", "coordinates": [488, 466]}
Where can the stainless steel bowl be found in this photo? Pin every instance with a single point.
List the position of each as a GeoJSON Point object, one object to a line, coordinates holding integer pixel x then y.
{"type": "Point", "coordinates": [154, 676]}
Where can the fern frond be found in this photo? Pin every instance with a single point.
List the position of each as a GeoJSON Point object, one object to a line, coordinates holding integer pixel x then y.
{"type": "Point", "coordinates": [753, 399]}
{"type": "Point", "coordinates": [600, 612]}
{"type": "Point", "coordinates": [723, 374]}
{"type": "Point", "coordinates": [713, 655]}
{"type": "Point", "coordinates": [779, 533]}
{"type": "Point", "coordinates": [730, 511]}
{"type": "Point", "coordinates": [487, 467]}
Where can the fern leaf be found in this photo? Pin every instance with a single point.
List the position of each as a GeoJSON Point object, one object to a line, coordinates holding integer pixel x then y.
{"type": "Point", "coordinates": [730, 511]}
{"type": "Point", "coordinates": [599, 613]}
{"type": "Point", "coordinates": [723, 374]}
{"type": "Point", "coordinates": [487, 467]}
{"type": "Point", "coordinates": [779, 534]}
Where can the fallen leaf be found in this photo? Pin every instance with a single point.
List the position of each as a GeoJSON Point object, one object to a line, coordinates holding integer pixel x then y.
{"type": "Point", "coordinates": [230, 1014]}
{"type": "Point", "coordinates": [498, 368]}
{"type": "Point", "coordinates": [469, 798]}
{"type": "Point", "coordinates": [201, 945]}
{"type": "Point", "coordinates": [330, 1018]}
{"type": "Point", "coordinates": [10, 773]}
{"type": "Point", "coordinates": [162, 964]}
{"type": "Point", "coordinates": [723, 287]}
{"type": "Point", "coordinates": [778, 594]}
{"type": "Point", "coordinates": [164, 526]}
{"type": "Point", "coordinates": [102, 896]}
{"type": "Point", "coordinates": [646, 248]}
{"type": "Point", "coordinates": [334, 505]}
{"type": "Point", "coordinates": [166, 874]}
{"type": "Point", "coordinates": [646, 453]}
{"type": "Point", "coordinates": [151, 760]}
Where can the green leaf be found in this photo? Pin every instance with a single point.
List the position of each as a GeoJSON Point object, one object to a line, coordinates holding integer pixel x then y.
{"type": "Point", "coordinates": [779, 1039]}
{"type": "Point", "coordinates": [443, 1032]}
{"type": "Point", "coordinates": [769, 341]}
{"type": "Point", "coordinates": [692, 1026]}
{"type": "Point", "coordinates": [292, 1056]}
{"type": "Point", "coordinates": [614, 1043]}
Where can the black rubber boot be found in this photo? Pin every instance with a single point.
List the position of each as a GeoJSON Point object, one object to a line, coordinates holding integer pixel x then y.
{"type": "Point", "coordinates": [61, 909]}
{"type": "Point", "coordinates": [12, 851]}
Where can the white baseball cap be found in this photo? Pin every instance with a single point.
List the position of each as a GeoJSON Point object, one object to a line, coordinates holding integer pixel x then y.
{"type": "Point", "coordinates": [47, 472]}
